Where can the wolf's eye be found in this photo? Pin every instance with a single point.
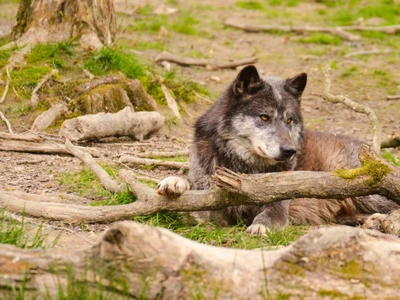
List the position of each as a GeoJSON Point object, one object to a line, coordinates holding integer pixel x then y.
{"type": "Point", "coordinates": [264, 117]}
{"type": "Point", "coordinates": [289, 121]}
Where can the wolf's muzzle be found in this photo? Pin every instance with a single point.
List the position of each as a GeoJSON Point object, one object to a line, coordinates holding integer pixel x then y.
{"type": "Point", "coordinates": [286, 152]}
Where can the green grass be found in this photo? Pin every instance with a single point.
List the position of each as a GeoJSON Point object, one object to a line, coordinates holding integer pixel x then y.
{"type": "Point", "coordinates": [249, 5]}
{"type": "Point", "coordinates": [14, 233]}
{"type": "Point", "coordinates": [24, 79]}
{"type": "Point", "coordinates": [322, 39]}
{"type": "Point", "coordinates": [213, 234]}
{"type": "Point", "coordinates": [52, 54]}
{"type": "Point", "coordinates": [185, 25]}
{"type": "Point", "coordinates": [289, 3]}
{"type": "Point", "coordinates": [5, 55]}
{"type": "Point", "coordinates": [349, 71]}
{"type": "Point", "coordinates": [391, 158]}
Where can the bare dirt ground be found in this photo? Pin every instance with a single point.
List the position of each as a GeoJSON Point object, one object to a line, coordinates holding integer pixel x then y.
{"type": "Point", "coordinates": [280, 55]}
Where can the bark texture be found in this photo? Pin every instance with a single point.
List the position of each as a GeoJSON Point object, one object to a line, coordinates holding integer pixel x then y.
{"type": "Point", "coordinates": [138, 261]}
{"type": "Point", "coordinates": [92, 22]}
{"type": "Point", "coordinates": [124, 123]}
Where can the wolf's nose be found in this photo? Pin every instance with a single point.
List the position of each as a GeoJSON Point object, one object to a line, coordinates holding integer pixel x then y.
{"type": "Point", "coordinates": [287, 151]}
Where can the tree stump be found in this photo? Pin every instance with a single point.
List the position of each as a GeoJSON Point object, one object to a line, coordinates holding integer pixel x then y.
{"type": "Point", "coordinates": [90, 22]}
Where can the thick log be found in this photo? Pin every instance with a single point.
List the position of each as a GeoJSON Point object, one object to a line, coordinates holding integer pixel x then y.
{"type": "Point", "coordinates": [138, 261]}
{"type": "Point", "coordinates": [124, 123]}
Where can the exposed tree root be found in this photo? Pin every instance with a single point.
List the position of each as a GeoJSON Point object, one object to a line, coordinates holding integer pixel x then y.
{"type": "Point", "coordinates": [5, 120]}
{"type": "Point", "coordinates": [35, 97]}
{"type": "Point", "coordinates": [367, 52]}
{"type": "Point", "coordinates": [138, 261]}
{"type": "Point", "coordinates": [100, 81]}
{"type": "Point", "coordinates": [49, 117]}
{"type": "Point", "coordinates": [126, 159]}
{"type": "Point", "coordinates": [361, 108]}
{"type": "Point", "coordinates": [187, 61]}
{"type": "Point", "coordinates": [391, 143]}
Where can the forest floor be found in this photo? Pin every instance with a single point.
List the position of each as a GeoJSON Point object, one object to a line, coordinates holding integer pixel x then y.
{"type": "Point", "coordinates": [197, 30]}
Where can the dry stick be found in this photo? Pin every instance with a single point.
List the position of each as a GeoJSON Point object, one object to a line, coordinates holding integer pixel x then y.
{"type": "Point", "coordinates": [171, 102]}
{"type": "Point", "coordinates": [150, 162]}
{"type": "Point", "coordinates": [231, 190]}
{"type": "Point", "coordinates": [367, 52]}
{"type": "Point", "coordinates": [394, 97]}
{"type": "Point", "coordinates": [187, 61]}
{"type": "Point", "coordinates": [339, 31]}
{"type": "Point", "coordinates": [3, 97]}
{"type": "Point", "coordinates": [361, 108]}
{"type": "Point", "coordinates": [163, 154]}
{"type": "Point", "coordinates": [20, 137]}
{"type": "Point", "coordinates": [106, 180]}
{"type": "Point", "coordinates": [35, 97]}
{"type": "Point", "coordinates": [9, 127]}
{"type": "Point", "coordinates": [391, 143]}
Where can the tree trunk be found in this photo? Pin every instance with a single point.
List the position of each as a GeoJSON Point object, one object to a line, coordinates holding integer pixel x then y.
{"type": "Point", "coordinates": [137, 261]}
{"type": "Point", "coordinates": [40, 21]}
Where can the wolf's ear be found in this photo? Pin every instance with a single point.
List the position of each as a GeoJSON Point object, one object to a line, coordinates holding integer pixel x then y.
{"type": "Point", "coordinates": [247, 81]}
{"type": "Point", "coordinates": [297, 84]}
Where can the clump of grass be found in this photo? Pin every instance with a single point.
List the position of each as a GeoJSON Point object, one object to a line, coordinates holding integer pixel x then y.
{"type": "Point", "coordinates": [385, 80]}
{"type": "Point", "coordinates": [14, 233]}
{"type": "Point", "coordinates": [391, 158]}
{"type": "Point", "coordinates": [322, 39]}
{"type": "Point", "coordinates": [5, 55]}
{"type": "Point", "coordinates": [213, 234]}
{"type": "Point", "coordinates": [250, 5]}
{"type": "Point", "coordinates": [289, 3]}
{"type": "Point", "coordinates": [349, 71]}
{"type": "Point", "coordinates": [185, 25]}
{"type": "Point", "coordinates": [51, 53]}
{"type": "Point", "coordinates": [24, 79]}
{"type": "Point", "coordinates": [111, 60]}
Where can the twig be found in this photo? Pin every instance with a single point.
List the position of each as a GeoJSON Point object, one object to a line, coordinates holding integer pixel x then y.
{"type": "Point", "coordinates": [367, 52]}
{"type": "Point", "coordinates": [339, 31]}
{"type": "Point", "coordinates": [9, 127]}
{"type": "Point", "coordinates": [106, 180]}
{"type": "Point", "coordinates": [361, 108]}
{"type": "Point", "coordinates": [394, 97]}
{"type": "Point", "coordinates": [187, 61]}
{"type": "Point", "coordinates": [171, 102]}
{"type": "Point", "coordinates": [151, 162]}
{"type": "Point", "coordinates": [163, 154]}
{"type": "Point", "coordinates": [34, 97]}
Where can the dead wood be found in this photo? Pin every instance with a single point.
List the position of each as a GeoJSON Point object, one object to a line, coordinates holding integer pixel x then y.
{"type": "Point", "coordinates": [35, 97]}
{"type": "Point", "coordinates": [127, 159]}
{"type": "Point", "coordinates": [361, 108]}
{"type": "Point", "coordinates": [339, 31]}
{"type": "Point", "coordinates": [187, 61]}
{"type": "Point", "coordinates": [391, 224]}
{"type": "Point", "coordinates": [8, 124]}
{"type": "Point", "coordinates": [39, 148]}
{"type": "Point", "coordinates": [21, 137]}
{"type": "Point", "coordinates": [136, 260]}
{"type": "Point", "coordinates": [105, 180]}
{"type": "Point", "coordinates": [84, 88]}
{"type": "Point", "coordinates": [394, 97]}
{"type": "Point", "coordinates": [126, 122]}
{"type": "Point", "coordinates": [391, 143]}
{"type": "Point", "coordinates": [49, 117]}
{"type": "Point", "coordinates": [367, 52]}
{"type": "Point", "coordinates": [231, 189]}
{"type": "Point", "coordinates": [171, 102]}
{"type": "Point", "coordinates": [163, 154]}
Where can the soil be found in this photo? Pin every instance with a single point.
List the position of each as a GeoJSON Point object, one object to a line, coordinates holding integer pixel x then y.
{"type": "Point", "coordinates": [279, 55]}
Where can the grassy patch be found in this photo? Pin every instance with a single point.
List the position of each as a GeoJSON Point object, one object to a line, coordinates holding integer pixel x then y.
{"type": "Point", "coordinates": [249, 5]}
{"type": "Point", "coordinates": [5, 55]}
{"type": "Point", "coordinates": [349, 71]}
{"type": "Point", "coordinates": [14, 233]}
{"type": "Point", "coordinates": [322, 39]}
{"type": "Point", "coordinates": [213, 234]}
{"type": "Point", "coordinates": [289, 3]}
{"type": "Point", "coordinates": [52, 54]}
{"type": "Point", "coordinates": [391, 158]}
{"type": "Point", "coordinates": [25, 79]}
{"type": "Point", "coordinates": [185, 25]}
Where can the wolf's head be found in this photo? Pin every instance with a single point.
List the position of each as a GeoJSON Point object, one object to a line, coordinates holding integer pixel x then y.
{"type": "Point", "coordinates": [262, 116]}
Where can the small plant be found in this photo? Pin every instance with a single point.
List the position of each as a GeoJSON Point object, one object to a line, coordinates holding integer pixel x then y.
{"type": "Point", "coordinates": [250, 5]}
{"type": "Point", "coordinates": [321, 38]}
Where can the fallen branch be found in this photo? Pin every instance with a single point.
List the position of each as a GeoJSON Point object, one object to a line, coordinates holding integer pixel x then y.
{"type": "Point", "coordinates": [152, 162]}
{"type": "Point", "coordinates": [21, 137]}
{"type": "Point", "coordinates": [163, 154]}
{"type": "Point", "coordinates": [394, 97]}
{"type": "Point", "coordinates": [126, 122]}
{"type": "Point", "coordinates": [160, 262]}
{"type": "Point", "coordinates": [6, 88]}
{"type": "Point", "coordinates": [49, 117]}
{"type": "Point", "coordinates": [187, 61]}
{"type": "Point", "coordinates": [391, 143]}
{"type": "Point", "coordinates": [367, 52]}
{"type": "Point", "coordinates": [35, 97]}
{"type": "Point", "coordinates": [5, 120]}
{"type": "Point", "coordinates": [361, 108]}
{"type": "Point", "coordinates": [171, 102]}
{"type": "Point", "coordinates": [231, 189]}
{"type": "Point", "coordinates": [38, 148]}
{"type": "Point", "coordinates": [339, 31]}
{"type": "Point", "coordinates": [105, 180]}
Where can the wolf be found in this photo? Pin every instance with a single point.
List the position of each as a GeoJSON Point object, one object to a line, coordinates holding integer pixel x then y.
{"type": "Point", "coordinates": [256, 126]}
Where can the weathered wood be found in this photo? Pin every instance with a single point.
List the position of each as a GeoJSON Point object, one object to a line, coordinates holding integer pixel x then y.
{"type": "Point", "coordinates": [138, 261]}
{"type": "Point", "coordinates": [124, 123]}
{"type": "Point", "coordinates": [49, 117]}
{"type": "Point", "coordinates": [127, 159]}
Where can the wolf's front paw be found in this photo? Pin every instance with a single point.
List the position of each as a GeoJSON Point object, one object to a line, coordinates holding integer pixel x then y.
{"type": "Point", "coordinates": [257, 229]}
{"type": "Point", "coordinates": [172, 186]}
